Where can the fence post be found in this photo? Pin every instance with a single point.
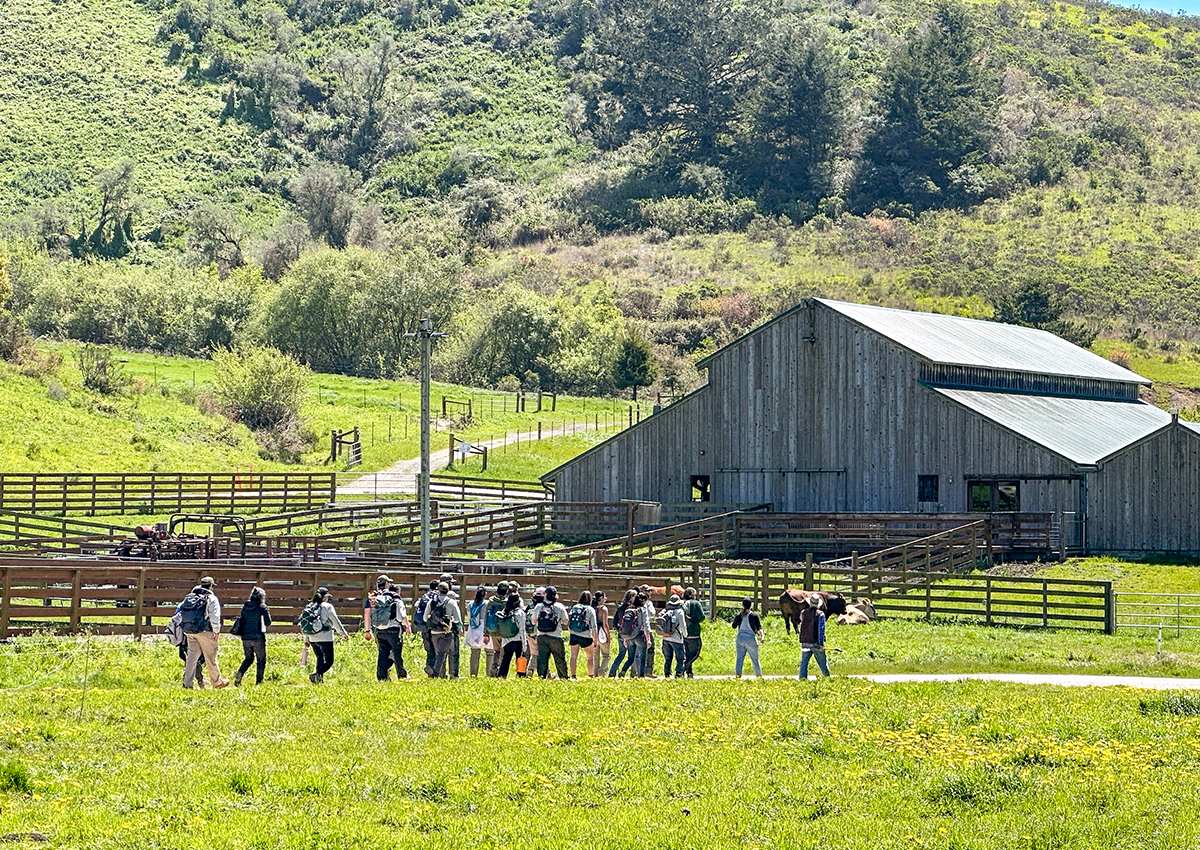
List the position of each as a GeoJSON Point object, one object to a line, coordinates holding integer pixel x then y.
{"type": "Point", "coordinates": [808, 571]}
{"type": "Point", "coordinates": [854, 573]}
{"type": "Point", "coordinates": [76, 601]}
{"type": "Point", "coordinates": [4, 618]}
{"type": "Point", "coordinates": [764, 585]}
{"type": "Point", "coordinates": [1110, 610]}
{"type": "Point", "coordinates": [928, 599]}
{"type": "Point", "coordinates": [712, 591]}
{"type": "Point", "coordinates": [138, 602]}
{"type": "Point", "coordinates": [1045, 607]}
{"type": "Point", "coordinates": [988, 600]}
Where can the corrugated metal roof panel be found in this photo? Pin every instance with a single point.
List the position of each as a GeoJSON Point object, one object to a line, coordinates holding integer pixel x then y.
{"type": "Point", "coordinates": [973, 342]}
{"type": "Point", "coordinates": [1085, 431]}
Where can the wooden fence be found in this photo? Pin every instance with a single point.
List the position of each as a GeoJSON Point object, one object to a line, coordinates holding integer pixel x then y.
{"type": "Point", "coordinates": [162, 492]}
{"type": "Point", "coordinates": [488, 489]}
{"type": "Point", "coordinates": [71, 596]}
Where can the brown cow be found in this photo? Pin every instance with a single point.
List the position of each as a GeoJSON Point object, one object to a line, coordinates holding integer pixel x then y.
{"type": "Point", "coordinates": [859, 613]}
{"type": "Point", "coordinates": [793, 600]}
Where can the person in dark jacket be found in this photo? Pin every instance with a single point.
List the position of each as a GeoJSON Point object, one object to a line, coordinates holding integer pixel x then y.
{"type": "Point", "coordinates": [749, 635]}
{"type": "Point", "coordinates": [255, 619]}
{"type": "Point", "coordinates": [812, 636]}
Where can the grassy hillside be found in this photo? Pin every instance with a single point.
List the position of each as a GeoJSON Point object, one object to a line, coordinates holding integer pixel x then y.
{"type": "Point", "coordinates": [166, 420]}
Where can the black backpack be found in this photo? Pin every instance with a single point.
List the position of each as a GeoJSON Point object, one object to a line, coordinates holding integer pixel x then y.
{"type": "Point", "coordinates": [629, 622]}
{"type": "Point", "coordinates": [419, 614]}
{"type": "Point", "coordinates": [436, 618]}
{"type": "Point", "coordinates": [547, 620]}
{"type": "Point", "coordinates": [193, 617]}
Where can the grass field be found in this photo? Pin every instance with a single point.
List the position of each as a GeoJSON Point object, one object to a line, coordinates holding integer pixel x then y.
{"type": "Point", "coordinates": [160, 423]}
{"type": "Point", "coordinates": [133, 761]}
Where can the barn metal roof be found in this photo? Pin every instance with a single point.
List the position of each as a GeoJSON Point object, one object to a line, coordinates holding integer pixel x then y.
{"type": "Point", "coordinates": [957, 341]}
{"type": "Point", "coordinates": [1085, 431]}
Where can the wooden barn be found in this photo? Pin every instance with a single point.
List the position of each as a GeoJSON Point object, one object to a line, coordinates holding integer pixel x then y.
{"type": "Point", "coordinates": [836, 407]}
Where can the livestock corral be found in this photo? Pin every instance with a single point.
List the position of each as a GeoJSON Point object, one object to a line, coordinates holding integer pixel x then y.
{"type": "Point", "coordinates": [68, 573]}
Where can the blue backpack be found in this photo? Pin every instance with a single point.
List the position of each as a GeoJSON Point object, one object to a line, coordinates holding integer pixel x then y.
{"type": "Point", "coordinates": [193, 617]}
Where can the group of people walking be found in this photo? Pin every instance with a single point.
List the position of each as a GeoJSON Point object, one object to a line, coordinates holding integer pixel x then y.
{"type": "Point", "coordinates": [503, 632]}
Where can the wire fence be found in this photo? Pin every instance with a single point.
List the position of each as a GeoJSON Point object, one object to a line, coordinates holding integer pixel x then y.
{"type": "Point", "coordinates": [1173, 612]}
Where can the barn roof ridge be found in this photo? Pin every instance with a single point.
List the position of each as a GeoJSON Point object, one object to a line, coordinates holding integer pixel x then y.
{"type": "Point", "coordinates": [980, 343]}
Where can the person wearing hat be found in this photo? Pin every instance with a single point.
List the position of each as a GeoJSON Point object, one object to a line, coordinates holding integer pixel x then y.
{"type": "Point", "coordinates": [550, 619]}
{"type": "Point", "coordinates": [387, 618]}
{"type": "Point", "coordinates": [444, 621]}
{"type": "Point", "coordinates": [495, 606]}
{"type": "Point", "coordinates": [693, 611]}
{"type": "Point", "coordinates": [674, 631]}
{"type": "Point", "coordinates": [456, 644]}
{"type": "Point", "coordinates": [812, 636]}
{"type": "Point", "coordinates": [201, 620]}
{"type": "Point", "coordinates": [749, 635]}
{"type": "Point", "coordinates": [648, 664]}
{"type": "Point", "coordinates": [321, 641]}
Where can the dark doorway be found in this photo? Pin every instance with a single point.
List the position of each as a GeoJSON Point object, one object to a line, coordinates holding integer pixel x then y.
{"type": "Point", "coordinates": [701, 489]}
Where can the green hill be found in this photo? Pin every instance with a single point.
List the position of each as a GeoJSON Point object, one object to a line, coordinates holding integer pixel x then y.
{"type": "Point", "coordinates": [522, 166]}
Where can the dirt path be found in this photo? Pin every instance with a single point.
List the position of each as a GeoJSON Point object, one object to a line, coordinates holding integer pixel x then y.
{"type": "Point", "coordinates": [401, 477]}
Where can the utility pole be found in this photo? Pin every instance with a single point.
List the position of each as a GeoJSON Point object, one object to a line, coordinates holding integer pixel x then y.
{"type": "Point", "coordinates": [426, 335]}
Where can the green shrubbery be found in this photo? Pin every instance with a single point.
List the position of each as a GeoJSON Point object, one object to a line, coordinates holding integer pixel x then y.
{"type": "Point", "coordinates": [260, 387]}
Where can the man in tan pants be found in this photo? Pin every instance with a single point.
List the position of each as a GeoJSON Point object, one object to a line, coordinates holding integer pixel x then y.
{"type": "Point", "coordinates": [200, 614]}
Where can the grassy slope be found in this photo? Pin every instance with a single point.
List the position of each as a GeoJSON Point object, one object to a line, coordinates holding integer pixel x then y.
{"type": "Point", "coordinates": [84, 87]}
{"type": "Point", "coordinates": [156, 430]}
{"type": "Point", "coordinates": [615, 764]}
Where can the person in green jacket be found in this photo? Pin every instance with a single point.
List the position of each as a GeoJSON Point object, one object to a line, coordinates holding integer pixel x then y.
{"type": "Point", "coordinates": [693, 613]}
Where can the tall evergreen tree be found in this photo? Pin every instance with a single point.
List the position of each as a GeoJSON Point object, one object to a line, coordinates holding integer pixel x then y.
{"type": "Point", "coordinates": [635, 366]}
{"type": "Point", "coordinates": [795, 122]}
{"type": "Point", "coordinates": [939, 98]}
{"type": "Point", "coordinates": [682, 67]}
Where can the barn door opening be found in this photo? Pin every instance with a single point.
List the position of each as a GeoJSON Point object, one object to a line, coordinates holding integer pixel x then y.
{"type": "Point", "coordinates": [994, 496]}
{"type": "Point", "coordinates": [701, 488]}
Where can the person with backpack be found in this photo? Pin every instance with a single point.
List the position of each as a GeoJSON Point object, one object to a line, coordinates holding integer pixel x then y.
{"type": "Point", "coordinates": [550, 619]}
{"type": "Point", "coordinates": [318, 622]}
{"type": "Point", "coordinates": [495, 606]}
{"type": "Point", "coordinates": [200, 619]}
{"type": "Point", "coordinates": [510, 626]}
{"type": "Point", "coordinates": [604, 634]}
{"type": "Point", "coordinates": [581, 620]}
{"type": "Point", "coordinates": [812, 636]}
{"type": "Point", "coordinates": [749, 636]}
{"type": "Point", "coordinates": [251, 627]}
{"type": "Point", "coordinates": [455, 645]}
{"type": "Point", "coordinates": [671, 626]}
{"type": "Point", "coordinates": [622, 638]}
{"type": "Point", "coordinates": [443, 619]}
{"type": "Point", "coordinates": [387, 619]}
{"type": "Point", "coordinates": [693, 612]}
{"type": "Point", "coordinates": [476, 639]}
{"type": "Point", "coordinates": [539, 596]}
{"type": "Point", "coordinates": [648, 665]}
{"type": "Point", "coordinates": [177, 639]}
{"type": "Point", "coordinates": [419, 623]}
{"type": "Point", "coordinates": [635, 629]}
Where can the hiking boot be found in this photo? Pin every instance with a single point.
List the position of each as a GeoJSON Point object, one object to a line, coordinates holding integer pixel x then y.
{"type": "Point", "coordinates": [224, 683]}
{"type": "Point", "coordinates": [237, 680]}
{"type": "Point", "coordinates": [314, 678]}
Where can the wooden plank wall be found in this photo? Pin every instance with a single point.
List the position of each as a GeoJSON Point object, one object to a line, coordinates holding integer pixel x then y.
{"type": "Point", "coordinates": [161, 492]}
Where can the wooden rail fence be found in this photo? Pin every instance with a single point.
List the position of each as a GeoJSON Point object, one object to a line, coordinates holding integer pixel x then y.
{"type": "Point", "coordinates": [138, 599]}
{"type": "Point", "coordinates": [493, 489]}
{"type": "Point", "coordinates": [161, 492]}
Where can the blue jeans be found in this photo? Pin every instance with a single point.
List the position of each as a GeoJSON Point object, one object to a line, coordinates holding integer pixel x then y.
{"type": "Point", "coordinates": [747, 646]}
{"type": "Point", "coordinates": [622, 652]}
{"type": "Point", "coordinates": [636, 658]}
{"type": "Point", "coordinates": [811, 650]}
{"type": "Point", "coordinates": [673, 650]}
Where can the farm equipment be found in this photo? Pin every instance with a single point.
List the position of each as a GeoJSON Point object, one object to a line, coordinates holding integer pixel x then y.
{"type": "Point", "coordinates": [169, 541]}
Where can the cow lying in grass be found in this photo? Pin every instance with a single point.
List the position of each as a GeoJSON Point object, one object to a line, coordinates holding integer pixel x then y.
{"type": "Point", "coordinates": [793, 600]}
{"type": "Point", "coordinates": [859, 613]}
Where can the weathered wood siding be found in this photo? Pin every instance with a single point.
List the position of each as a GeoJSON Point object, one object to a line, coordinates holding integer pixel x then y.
{"type": "Point", "coordinates": [1147, 498]}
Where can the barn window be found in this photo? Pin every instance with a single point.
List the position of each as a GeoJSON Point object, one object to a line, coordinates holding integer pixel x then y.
{"type": "Point", "coordinates": [701, 489]}
{"type": "Point", "coordinates": [927, 488]}
{"type": "Point", "coordinates": [989, 496]}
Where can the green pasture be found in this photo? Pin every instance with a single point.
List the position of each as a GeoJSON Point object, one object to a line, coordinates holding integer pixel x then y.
{"type": "Point", "coordinates": [101, 749]}
{"type": "Point", "coordinates": [166, 420]}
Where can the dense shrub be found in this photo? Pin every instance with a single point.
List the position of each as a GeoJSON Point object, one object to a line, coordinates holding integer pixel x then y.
{"type": "Point", "coordinates": [259, 387]}
{"type": "Point", "coordinates": [102, 371]}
